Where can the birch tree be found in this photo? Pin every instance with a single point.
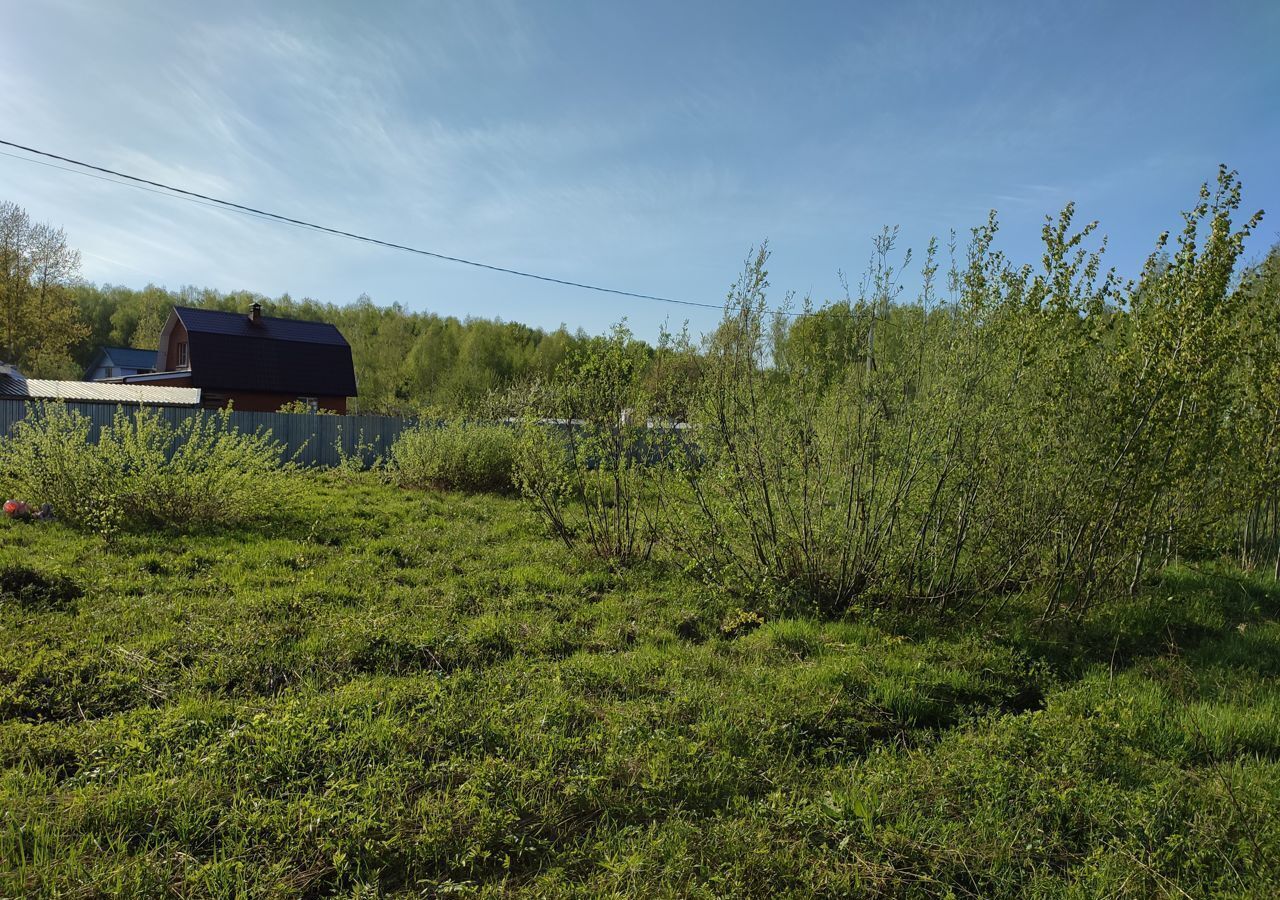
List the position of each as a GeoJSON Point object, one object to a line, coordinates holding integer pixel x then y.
{"type": "Point", "coordinates": [39, 318]}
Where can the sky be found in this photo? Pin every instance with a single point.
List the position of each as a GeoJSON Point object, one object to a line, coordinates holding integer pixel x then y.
{"type": "Point", "coordinates": [641, 146]}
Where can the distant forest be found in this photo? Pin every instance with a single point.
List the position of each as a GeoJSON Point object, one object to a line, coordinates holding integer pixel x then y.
{"type": "Point", "coordinates": [410, 362]}
{"type": "Point", "coordinates": [405, 361]}
{"type": "Point", "coordinates": [52, 324]}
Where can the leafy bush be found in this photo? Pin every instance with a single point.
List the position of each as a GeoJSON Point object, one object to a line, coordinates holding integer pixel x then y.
{"type": "Point", "coordinates": [1048, 430]}
{"type": "Point", "coordinates": [363, 459]}
{"type": "Point", "coordinates": [464, 456]}
{"type": "Point", "coordinates": [544, 474]}
{"type": "Point", "coordinates": [142, 471]}
{"type": "Point", "coordinates": [303, 408]}
{"type": "Point", "coordinates": [601, 476]}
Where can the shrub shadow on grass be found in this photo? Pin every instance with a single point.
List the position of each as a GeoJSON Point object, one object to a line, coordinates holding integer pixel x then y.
{"type": "Point", "coordinates": [31, 590]}
{"type": "Point", "coordinates": [1187, 610]}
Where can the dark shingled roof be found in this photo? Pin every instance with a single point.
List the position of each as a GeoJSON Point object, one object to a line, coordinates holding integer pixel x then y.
{"type": "Point", "coordinates": [285, 356]}
{"type": "Point", "coordinates": [130, 357]}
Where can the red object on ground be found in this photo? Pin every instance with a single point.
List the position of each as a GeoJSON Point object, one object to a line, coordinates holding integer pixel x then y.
{"type": "Point", "coordinates": [16, 509]}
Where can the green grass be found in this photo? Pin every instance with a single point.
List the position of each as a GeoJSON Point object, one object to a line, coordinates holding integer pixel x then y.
{"type": "Point", "coordinates": [391, 693]}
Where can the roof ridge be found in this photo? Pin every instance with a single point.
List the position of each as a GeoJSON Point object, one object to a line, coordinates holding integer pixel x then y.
{"type": "Point", "coordinates": [238, 314]}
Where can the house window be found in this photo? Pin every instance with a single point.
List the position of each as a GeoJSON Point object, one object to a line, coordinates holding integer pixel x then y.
{"type": "Point", "coordinates": [182, 354]}
{"type": "Point", "coordinates": [110, 372]}
{"type": "Point", "coordinates": [312, 404]}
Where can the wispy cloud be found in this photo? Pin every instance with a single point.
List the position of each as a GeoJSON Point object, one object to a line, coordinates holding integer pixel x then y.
{"type": "Point", "coordinates": [640, 147]}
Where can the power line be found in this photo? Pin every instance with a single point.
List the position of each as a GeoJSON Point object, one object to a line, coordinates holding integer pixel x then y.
{"type": "Point", "coordinates": [262, 213]}
{"type": "Point", "coordinates": [113, 176]}
{"type": "Point", "coordinates": [114, 181]}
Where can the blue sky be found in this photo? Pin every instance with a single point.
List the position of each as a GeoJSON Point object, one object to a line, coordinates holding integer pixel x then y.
{"type": "Point", "coordinates": [645, 146]}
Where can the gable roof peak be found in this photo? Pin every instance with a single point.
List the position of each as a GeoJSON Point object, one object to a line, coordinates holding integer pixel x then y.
{"type": "Point", "coordinates": [217, 321]}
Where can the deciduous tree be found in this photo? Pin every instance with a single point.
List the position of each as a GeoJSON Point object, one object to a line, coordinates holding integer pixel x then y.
{"type": "Point", "coordinates": [39, 318]}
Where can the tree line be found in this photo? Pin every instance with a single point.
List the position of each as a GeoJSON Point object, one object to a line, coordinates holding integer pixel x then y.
{"type": "Point", "coordinates": [406, 362]}
{"type": "Point", "coordinates": [52, 324]}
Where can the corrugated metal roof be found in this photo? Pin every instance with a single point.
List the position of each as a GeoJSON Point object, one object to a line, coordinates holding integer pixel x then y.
{"type": "Point", "coordinates": [98, 392]}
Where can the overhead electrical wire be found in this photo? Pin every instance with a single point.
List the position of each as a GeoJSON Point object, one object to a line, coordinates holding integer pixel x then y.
{"type": "Point", "coordinates": [140, 187]}
{"type": "Point", "coordinates": [124, 179]}
{"type": "Point", "coordinates": [262, 213]}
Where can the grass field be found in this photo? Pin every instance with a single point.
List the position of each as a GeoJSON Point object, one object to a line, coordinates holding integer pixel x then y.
{"type": "Point", "coordinates": [401, 693]}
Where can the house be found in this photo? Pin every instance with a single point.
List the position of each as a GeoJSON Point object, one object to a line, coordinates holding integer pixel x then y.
{"type": "Point", "coordinates": [256, 363]}
{"type": "Point", "coordinates": [14, 386]}
{"type": "Point", "coordinates": [116, 362]}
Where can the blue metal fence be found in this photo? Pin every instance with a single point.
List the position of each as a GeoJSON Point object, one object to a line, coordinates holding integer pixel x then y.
{"type": "Point", "coordinates": [310, 440]}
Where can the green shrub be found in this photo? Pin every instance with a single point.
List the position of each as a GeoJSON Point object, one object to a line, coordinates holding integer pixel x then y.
{"type": "Point", "coordinates": [303, 408]}
{"type": "Point", "coordinates": [1040, 430]}
{"type": "Point", "coordinates": [464, 456]}
{"type": "Point", "coordinates": [544, 474]}
{"type": "Point", "coordinates": [142, 471]}
{"type": "Point", "coordinates": [365, 458]}
{"type": "Point", "coordinates": [600, 480]}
